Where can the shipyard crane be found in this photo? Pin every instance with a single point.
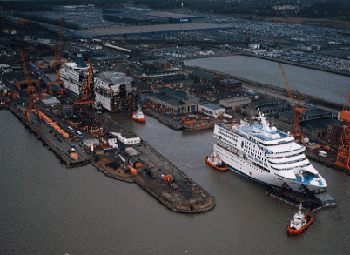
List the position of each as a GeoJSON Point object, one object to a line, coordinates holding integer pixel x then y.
{"type": "Point", "coordinates": [86, 93]}
{"type": "Point", "coordinates": [31, 90]}
{"type": "Point", "coordinates": [298, 109]}
{"type": "Point", "coordinates": [57, 64]}
{"type": "Point", "coordinates": [343, 156]}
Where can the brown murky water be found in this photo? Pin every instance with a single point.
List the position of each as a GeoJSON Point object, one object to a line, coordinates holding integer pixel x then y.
{"type": "Point", "coordinates": [48, 209]}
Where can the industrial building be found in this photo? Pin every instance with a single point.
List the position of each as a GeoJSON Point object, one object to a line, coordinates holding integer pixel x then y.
{"type": "Point", "coordinates": [267, 106]}
{"type": "Point", "coordinates": [174, 100]}
{"type": "Point", "coordinates": [229, 84]}
{"type": "Point", "coordinates": [234, 103]}
{"type": "Point", "coordinates": [317, 124]}
{"type": "Point", "coordinates": [176, 18]}
{"type": "Point", "coordinates": [203, 77]}
{"type": "Point", "coordinates": [149, 30]}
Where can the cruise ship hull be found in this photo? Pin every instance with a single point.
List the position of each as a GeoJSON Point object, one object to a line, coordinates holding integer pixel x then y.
{"type": "Point", "coordinates": [246, 167]}
{"type": "Point", "coordinates": [71, 87]}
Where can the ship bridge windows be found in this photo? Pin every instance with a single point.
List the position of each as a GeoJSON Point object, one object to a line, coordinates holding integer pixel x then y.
{"type": "Point", "coordinates": [289, 156]}
{"type": "Point", "coordinates": [290, 168]}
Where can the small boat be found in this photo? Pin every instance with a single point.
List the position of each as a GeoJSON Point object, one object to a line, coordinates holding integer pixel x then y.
{"type": "Point", "coordinates": [214, 161]}
{"type": "Point", "coordinates": [299, 223]}
{"type": "Point", "coordinates": [138, 115]}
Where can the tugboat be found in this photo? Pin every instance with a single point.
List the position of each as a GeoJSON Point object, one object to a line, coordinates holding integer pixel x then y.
{"type": "Point", "coordinates": [138, 115]}
{"type": "Point", "coordinates": [299, 223]}
{"type": "Point", "coordinates": [215, 161]}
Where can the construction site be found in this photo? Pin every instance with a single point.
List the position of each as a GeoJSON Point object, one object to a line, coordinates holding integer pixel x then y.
{"type": "Point", "coordinates": [77, 130]}
{"type": "Point", "coordinates": [79, 135]}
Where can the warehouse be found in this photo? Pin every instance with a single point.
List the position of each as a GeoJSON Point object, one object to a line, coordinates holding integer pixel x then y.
{"type": "Point", "coordinates": [174, 100]}
{"type": "Point", "coordinates": [176, 18]}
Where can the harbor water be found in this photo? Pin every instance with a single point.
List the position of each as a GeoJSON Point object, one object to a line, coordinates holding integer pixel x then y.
{"type": "Point", "coordinates": [49, 209]}
{"type": "Point", "coordinates": [329, 86]}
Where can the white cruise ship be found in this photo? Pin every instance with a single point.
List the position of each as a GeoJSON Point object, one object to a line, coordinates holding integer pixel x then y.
{"type": "Point", "coordinates": [113, 91]}
{"type": "Point", "coordinates": [267, 155]}
{"type": "Point", "coordinates": [74, 75]}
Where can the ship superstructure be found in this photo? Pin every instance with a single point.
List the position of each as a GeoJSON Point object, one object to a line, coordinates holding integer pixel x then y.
{"type": "Point", "coordinates": [267, 155]}
{"type": "Point", "coordinates": [74, 75]}
{"type": "Point", "coordinates": [113, 91]}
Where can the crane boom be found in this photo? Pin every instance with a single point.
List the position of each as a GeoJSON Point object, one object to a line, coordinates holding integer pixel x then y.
{"type": "Point", "coordinates": [26, 73]}
{"type": "Point", "coordinates": [297, 107]}
{"type": "Point", "coordinates": [290, 93]}
{"type": "Point", "coordinates": [31, 90]}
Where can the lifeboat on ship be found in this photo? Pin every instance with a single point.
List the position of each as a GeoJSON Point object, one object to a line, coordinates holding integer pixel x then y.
{"type": "Point", "coordinates": [138, 115]}
{"type": "Point", "coordinates": [299, 223]}
{"type": "Point", "coordinates": [216, 162]}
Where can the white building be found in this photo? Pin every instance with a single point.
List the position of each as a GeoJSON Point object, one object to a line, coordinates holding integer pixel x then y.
{"type": "Point", "coordinates": [127, 140]}
{"type": "Point", "coordinates": [211, 110]}
{"type": "Point", "coordinates": [112, 141]}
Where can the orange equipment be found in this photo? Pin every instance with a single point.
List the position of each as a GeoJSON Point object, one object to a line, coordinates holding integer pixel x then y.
{"type": "Point", "coordinates": [57, 65]}
{"type": "Point", "coordinates": [132, 170]}
{"type": "Point", "coordinates": [167, 178]}
{"type": "Point", "coordinates": [85, 95]}
{"type": "Point", "coordinates": [31, 90]}
{"type": "Point", "coordinates": [343, 157]}
{"type": "Point", "coordinates": [298, 109]}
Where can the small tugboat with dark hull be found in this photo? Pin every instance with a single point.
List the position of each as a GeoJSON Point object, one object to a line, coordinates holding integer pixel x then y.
{"type": "Point", "coordinates": [215, 161]}
{"type": "Point", "coordinates": [299, 223]}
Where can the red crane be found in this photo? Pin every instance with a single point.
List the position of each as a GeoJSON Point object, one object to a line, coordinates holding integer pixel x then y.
{"type": "Point", "coordinates": [343, 157]}
{"type": "Point", "coordinates": [57, 64]}
{"type": "Point", "coordinates": [86, 93]}
{"type": "Point", "coordinates": [298, 109]}
{"type": "Point", "coordinates": [31, 90]}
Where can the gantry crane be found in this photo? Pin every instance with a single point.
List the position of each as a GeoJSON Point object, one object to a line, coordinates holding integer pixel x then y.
{"type": "Point", "coordinates": [343, 157]}
{"type": "Point", "coordinates": [31, 90]}
{"type": "Point", "coordinates": [298, 109]}
{"type": "Point", "coordinates": [86, 93]}
{"type": "Point", "coordinates": [57, 64]}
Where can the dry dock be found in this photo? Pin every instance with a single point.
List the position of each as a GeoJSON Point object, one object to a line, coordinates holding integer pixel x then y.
{"type": "Point", "coordinates": [154, 173]}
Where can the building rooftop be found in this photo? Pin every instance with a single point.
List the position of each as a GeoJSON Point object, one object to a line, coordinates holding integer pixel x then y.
{"type": "Point", "coordinates": [320, 123]}
{"type": "Point", "coordinates": [275, 107]}
{"type": "Point", "coordinates": [213, 106]}
{"type": "Point", "coordinates": [205, 75]}
{"type": "Point", "coordinates": [178, 94]}
{"type": "Point", "coordinates": [111, 77]}
{"type": "Point", "coordinates": [170, 15]}
{"type": "Point", "coordinates": [230, 81]}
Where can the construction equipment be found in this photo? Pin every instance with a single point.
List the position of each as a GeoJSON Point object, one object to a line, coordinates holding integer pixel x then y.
{"type": "Point", "coordinates": [57, 65]}
{"type": "Point", "coordinates": [298, 109]}
{"type": "Point", "coordinates": [31, 90]}
{"type": "Point", "coordinates": [86, 93]}
{"type": "Point", "coordinates": [343, 157]}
